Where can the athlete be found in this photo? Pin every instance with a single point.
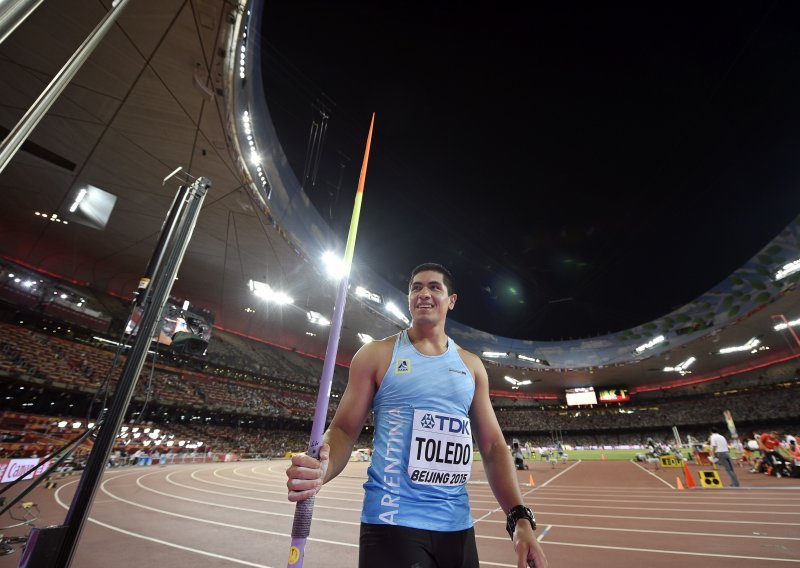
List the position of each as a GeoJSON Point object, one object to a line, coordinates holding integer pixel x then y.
{"type": "Point", "coordinates": [430, 398]}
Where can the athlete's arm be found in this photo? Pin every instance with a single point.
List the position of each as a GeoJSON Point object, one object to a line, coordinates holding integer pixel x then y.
{"type": "Point", "coordinates": [499, 464]}
{"type": "Point", "coordinates": [306, 474]}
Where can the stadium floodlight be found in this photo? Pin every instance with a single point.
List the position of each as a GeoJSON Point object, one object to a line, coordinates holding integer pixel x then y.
{"type": "Point", "coordinates": [392, 308]}
{"type": "Point", "coordinates": [787, 269]}
{"type": "Point", "coordinates": [515, 382]}
{"type": "Point", "coordinates": [265, 292]}
{"type": "Point", "coordinates": [533, 360]}
{"type": "Point", "coordinates": [334, 265]}
{"type": "Point", "coordinates": [494, 354]}
{"type": "Point", "coordinates": [782, 326]}
{"type": "Point", "coordinates": [366, 338]}
{"type": "Point", "coordinates": [650, 344]}
{"type": "Point", "coordinates": [681, 367]}
{"type": "Point", "coordinates": [78, 198]}
{"type": "Point", "coordinates": [749, 346]}
{"type": "Point", "coordinates": [317, 318]}
{"type": "Point", "coordinates": [362, 292]}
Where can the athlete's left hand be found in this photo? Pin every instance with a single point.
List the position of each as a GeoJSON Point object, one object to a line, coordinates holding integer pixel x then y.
{"type": "Point", "coordinates": [529, 551]}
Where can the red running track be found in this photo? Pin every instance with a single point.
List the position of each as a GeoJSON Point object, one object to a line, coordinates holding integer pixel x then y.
{"type": "Point", "coordinates": [599, 514]}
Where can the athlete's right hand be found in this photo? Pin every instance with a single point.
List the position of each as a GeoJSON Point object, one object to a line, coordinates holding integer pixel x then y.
{"type": "Point", "coordinates": [307, 474]}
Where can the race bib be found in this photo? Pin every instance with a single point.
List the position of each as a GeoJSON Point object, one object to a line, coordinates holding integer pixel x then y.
{"type": "Point", "coordinates": [441, 449]}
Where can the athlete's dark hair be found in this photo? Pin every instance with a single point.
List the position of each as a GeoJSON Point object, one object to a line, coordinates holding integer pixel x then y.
{"type": "Point", "coordinates": [447, 277]}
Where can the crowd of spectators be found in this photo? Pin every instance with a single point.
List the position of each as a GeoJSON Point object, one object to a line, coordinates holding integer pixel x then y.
{"type": "Point", "coordinates": [240, 378]}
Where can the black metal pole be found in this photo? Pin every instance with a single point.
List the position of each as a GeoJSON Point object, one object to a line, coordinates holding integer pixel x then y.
{"type": "Point", "coordinates": [163, 280]}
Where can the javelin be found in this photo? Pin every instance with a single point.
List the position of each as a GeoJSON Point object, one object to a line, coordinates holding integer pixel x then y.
{"type": "Point", "coordinates": [301, 527]}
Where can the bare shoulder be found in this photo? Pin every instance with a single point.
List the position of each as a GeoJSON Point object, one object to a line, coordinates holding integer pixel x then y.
{"type": "Point", "coordinates": [377, 349]}
{"type": "Point", "coordinates": [374, 358]}
{"type": "Point", "coordinates": [473, 362]}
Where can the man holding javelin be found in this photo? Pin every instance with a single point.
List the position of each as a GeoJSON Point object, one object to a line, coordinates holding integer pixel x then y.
{"type": "Point", "coordinates": [429, 398]}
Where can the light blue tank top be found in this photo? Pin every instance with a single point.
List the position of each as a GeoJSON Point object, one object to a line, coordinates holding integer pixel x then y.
{"type": "Point", "coordinates": [422, 451]}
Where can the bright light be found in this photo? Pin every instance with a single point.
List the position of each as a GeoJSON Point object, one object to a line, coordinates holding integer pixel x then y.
{"type": "Point", "coordinates": [788, 269]}
{"type": "Point", "coordinates": [515, 382]}
{"type": "Point", "coordinates": [265, 292]}
{"type": "Point", "coordinates": [533, 360]}
{"type": "Point", "coordinates": [317, 318]}
{"type": "Point", "coordinates": [76, 424]}
{"type": "Point", "coordinates": [650, 344]}
{"type": "Point", "coordinates": [365, 338]}
{"type": "Point", "coordinates": [494, 354]}
{"type": "Point", "coordinates": [362, 292]}
{"type": "Point", "coordinates": [81, 194]}
{"type": "Point", "coordinates": [63, 424]}
{"type": "Point", "coordinates": [749, 346]}
{"type": "Point", "coordinates": [395, 311]}
{"type": "Point", "coordinates": [335, 266]}
{"type": "Point", "coordinates": [782, 326]}
{"type": "Point", "coordinates": [681, 368]}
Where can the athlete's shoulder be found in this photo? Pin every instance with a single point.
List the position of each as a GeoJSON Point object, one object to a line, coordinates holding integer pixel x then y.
{"type": "Point", "coordinates": [468, 356]}
{"type": "Point", "coordinates": [472, 361]}
{"type": "Point", "coordinates": [377, 349]}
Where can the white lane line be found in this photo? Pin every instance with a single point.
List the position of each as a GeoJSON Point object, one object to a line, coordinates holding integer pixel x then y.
{"type": "Point", "coordinates": [179, 546]}
{"type": "Point", "coordinates": [660, 551]}
{"type": "Point", "coordinates": [658, 532]}
{"type": "Point", "coordinates": [542, 513]}
{"type": "Point", "coordinates": [544, 496]}
{"type": "Point", "coordinates": [173, 496]}
{"type": "Point", "coordinates": [532, 489]}
{"type": "Point", "coordinates": [328, 489]}
{"type": "Point", "coordinates": [653, 474]}
{"type": "Point", "coordinates": [552, 479]}
{"type": "Point", "coordinates": [283, 501]}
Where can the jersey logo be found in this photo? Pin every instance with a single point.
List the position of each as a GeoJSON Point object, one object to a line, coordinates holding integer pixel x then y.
{"type": "Point", "coordinates": [402, 367]}
{"type": "Point", "coordinates": [457, 371]}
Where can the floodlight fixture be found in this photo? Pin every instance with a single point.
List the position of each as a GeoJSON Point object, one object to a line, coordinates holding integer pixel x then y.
{"type": "Point", "coordinates": [782, 326]}
{"type": "Point", "coordinates": [787, 269]}
{"type": "Point", "coordinates": [78, 198]}
{"type": "Point", "coordinates": [317, 318]}
{"type": "Point", "coordinates": [392, 308]}
{"type": "Point", "coordinates": [265, 292]}
{"type": "Point", "coordinates": [533, 360]}
{"type": "Point", "coordinates": [752, 343]}
{"type": "Point", "coordinates": [362, 292]}
{"type": "Point", "coordinates": [681, 367]}
{"type": "Point", "coordinates": [494, 354]}
{"type": "Point", "coordinates": [650, 344]}
{"type": "Point", "coordinates": [335, 265]}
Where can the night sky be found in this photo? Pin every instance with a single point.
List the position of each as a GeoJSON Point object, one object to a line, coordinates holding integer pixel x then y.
{"type": "Point", "coordinates": [582, 169]}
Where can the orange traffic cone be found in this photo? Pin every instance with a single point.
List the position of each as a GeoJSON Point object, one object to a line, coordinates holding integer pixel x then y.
{"type": "Point", "coordinates": [688, 474]}
{"type": "Point", "coordinates": [530, 480]}
{"type": "Point", "coordinates": [678, 483]}
{"type": "Point", "coordinates": [603, 456]}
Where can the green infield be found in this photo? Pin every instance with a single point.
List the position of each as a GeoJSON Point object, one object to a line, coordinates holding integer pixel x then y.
{"type": "Point", "coordinates": [575, 455]}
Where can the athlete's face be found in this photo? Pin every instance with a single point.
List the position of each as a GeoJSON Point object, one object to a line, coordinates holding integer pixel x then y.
{"type": "Point", "coordinates": [428, 297]}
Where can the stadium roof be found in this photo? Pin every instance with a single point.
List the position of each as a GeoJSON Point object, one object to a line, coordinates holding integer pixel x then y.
{"type": "Point", "coordinates": [161, 91]}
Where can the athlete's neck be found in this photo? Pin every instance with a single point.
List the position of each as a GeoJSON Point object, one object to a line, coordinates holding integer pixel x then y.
{"type": "Point", "coordinates": [429, 341]}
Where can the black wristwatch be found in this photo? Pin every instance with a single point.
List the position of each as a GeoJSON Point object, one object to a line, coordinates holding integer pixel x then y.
{"type": "Point", "coordinates": [517, 513]}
